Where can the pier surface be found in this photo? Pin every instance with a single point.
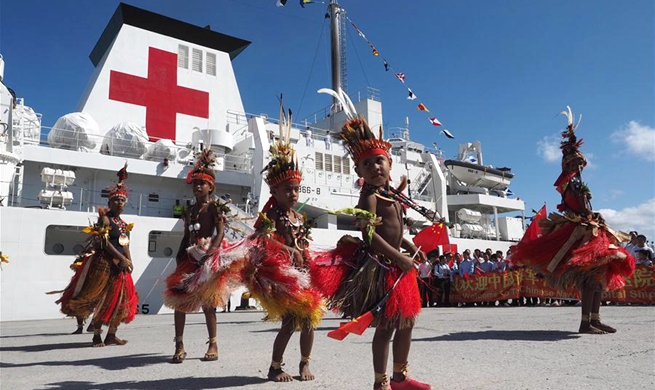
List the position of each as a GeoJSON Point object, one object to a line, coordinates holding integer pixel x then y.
{"type": "Point", "coordinates": [514, 348]}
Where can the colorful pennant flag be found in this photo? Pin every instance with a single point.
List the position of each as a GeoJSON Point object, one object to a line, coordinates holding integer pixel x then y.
{"type": "Point", "coordinates": [447, 134]}
{"type": "Point", "coordinates": [386, 66]}
{"type": "Point", "coordinates": [303, 2]}
{"type": "Point", "coordinates": [281, 3]}
{"type": "Point", "coordinates": [422, 107]}
{"type": "Point", "coordinates": [434, 121]}
{"type": "Point", "coordinates": [411, 95]}
{"type": "Point", "coordinates": [400, 76]}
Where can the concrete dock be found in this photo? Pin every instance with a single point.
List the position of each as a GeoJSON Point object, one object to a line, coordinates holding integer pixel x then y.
{"type": "Point", "coordinates": [513, 348]}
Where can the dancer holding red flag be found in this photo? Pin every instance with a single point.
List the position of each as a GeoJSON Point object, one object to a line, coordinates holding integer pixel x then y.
{"type": "Point", "coordinates": [373, 273]}
{"type": "Point", "coordinates": [577, 247]}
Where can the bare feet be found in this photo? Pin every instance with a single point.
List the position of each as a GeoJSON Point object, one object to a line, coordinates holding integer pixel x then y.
{"type": "Point", "coordinates": [97, 341]}
{"type": "Point", "coordinates": [111, 339]}
{"type": "Point", "coordinates": [586, 327]}
{"type": "Point", "coordinates": [212, 352]}
{"type": "Point", "coordinates": [78, 330]}
{"type": "Point", "coordinates": [180, 354]}
{"type": "Point", "coordinates": [278, 375]}
{"type": "Point", "coordinates": [599, 325]}
{"type": "Point", "coordinates": [305, 373]}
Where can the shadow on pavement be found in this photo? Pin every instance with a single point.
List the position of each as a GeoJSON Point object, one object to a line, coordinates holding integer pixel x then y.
{"type": "Point", "coordinates": [515, 335]}
{"type": "Point", "coordinates": [188, 383]}
{"type": "Point", "coordinates": [108, 363]}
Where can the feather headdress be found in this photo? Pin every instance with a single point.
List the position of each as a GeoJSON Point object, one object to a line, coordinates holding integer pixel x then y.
{"type": "Point", "coordinates": [570, 144]}
{"type": "Point", "coordinates": [283, 165]}
{"type": "Point", "coordinates": [358, 138]}
{"type": "Point", "coordinates": [203, 169]}
{"type": "Point", "coordinates": [119, 190]}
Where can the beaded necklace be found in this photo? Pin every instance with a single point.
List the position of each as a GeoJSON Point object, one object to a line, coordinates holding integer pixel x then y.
{"type": "Point", "coordinates": [194, 225]}
{"type": "Point", "coordinates": [299, 231]}
{"type": "Point", "coordinates": [123, 239]}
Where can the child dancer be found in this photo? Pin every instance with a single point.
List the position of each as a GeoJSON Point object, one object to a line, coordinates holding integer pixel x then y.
{"type": "Point", "coordinates": [202, 277]}
{"type": "Point", "coordinates": [275, 274]}
{"type": "Point", "coordinates": [356, 280]}
{"type": "Point", "coordinates": [103, 283]}
{"type": "Point", "coordinates": [578, 248]}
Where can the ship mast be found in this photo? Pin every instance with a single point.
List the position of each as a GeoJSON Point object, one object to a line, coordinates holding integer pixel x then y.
{"type": "Point", "coordinates": [338, 49]}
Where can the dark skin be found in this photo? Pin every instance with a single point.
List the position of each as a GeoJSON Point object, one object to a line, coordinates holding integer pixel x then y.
{"type": "Point", "coordinates": [116, 207]}
{"type": "Point", "coordinates": [286, 195]}
{"type": "Point", "coordinates": [202, 191]}
{"type": "Point", "coordinates": [387, 240]}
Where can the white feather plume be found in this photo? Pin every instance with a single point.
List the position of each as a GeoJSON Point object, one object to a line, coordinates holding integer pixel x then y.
{"type": "Point", "coordinates": [339, 98]}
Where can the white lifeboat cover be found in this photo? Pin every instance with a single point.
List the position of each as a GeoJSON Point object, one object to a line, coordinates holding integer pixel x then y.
{"type": "Point", "coordinates": [75, 131]}
{"type": "Point", "coordinates": [126, 139]}
{"type": "Point", "coordinates": [468, 215]}
{"type": "Point", "coordinates": [163, 148]}
{"type": "Point", "coordinates": [28, 121]}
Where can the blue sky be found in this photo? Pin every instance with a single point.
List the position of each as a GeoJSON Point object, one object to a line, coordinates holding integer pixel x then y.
{"type": "Point", "coordinates": [495, 71]}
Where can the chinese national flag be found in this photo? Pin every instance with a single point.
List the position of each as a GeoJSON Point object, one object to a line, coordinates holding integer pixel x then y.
{"type": "Point", "coordinates": [422, 107]}
{"type": "Point", "coordinates": [431, 237]}
{"type": "Point", "coordinates": [533, 231]}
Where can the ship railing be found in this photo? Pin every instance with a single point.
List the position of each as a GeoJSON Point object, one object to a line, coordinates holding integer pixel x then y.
{"type": "Point", "coordinates": [183, 154]}
{"type": "Point", "coordinates": [325, 112]}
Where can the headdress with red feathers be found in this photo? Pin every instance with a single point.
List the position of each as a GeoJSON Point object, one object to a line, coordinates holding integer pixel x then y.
{"type": "Point", "coordinates": [358, 138]}
{"type": "Point", "coordinates": [119, 190]}
{"type": "Point", "coordinates": [203, 169]}
{"type": "Point", "coordinates": [283, 165]}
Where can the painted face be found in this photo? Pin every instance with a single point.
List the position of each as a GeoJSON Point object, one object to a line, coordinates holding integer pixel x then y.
{"type": "Point", "coordinates": [286, 194]}
{"type": "Point", "coordinates": [202, 188]}
{"type": "Point", "coordinates": [117, 205]}
{"type": "Point", "coordinates": [374, 169]}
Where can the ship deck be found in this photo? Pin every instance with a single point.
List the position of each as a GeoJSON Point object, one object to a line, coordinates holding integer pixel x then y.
{"type": "Point", "coordinates": [454, 348]}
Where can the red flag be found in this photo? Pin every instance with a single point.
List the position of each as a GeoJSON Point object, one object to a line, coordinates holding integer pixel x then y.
{"type": "Point", "coordinates": [435, 121]}
{"type": "Point", "coordinates": [533, 231]}
{"type": "Point", "coordinates": [356, 326]}
{"type": "Point", "coordinates": [422, 107]}
{"type": "Point", "coordinates": [400, 76]}
{"type": "Point", "coordinates": [431, 237]}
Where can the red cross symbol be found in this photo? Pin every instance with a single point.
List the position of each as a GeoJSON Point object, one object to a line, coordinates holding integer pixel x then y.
{"type": "Point", "coordinates": [160, 94]}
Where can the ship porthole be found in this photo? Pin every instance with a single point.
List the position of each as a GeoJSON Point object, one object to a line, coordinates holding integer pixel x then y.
{"type": "Point", "coordinates": [168, 251]}
{"type": "Point", "coordinates": [57, 248]}
{"type": "Point", "coordinates": [78, 248]}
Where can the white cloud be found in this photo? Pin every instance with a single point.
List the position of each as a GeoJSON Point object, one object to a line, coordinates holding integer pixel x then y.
{"type": "Point", "coordinates": [640, 218]}
{"type": "Point", "coordinates": [638, 139]}
{"type": "Point", "coordinates": [548, 148]}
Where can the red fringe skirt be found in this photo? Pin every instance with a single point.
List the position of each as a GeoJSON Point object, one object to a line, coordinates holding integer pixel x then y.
{"type": "Point", "coordinates": [209, 284]}
{"type": "Point", "coordinates": [353, 279]}
{"type": "Point", "coordinates": [597, 260]}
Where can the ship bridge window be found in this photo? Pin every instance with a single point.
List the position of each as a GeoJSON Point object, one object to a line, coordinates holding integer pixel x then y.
{"type": "Point", "coordinates": [211, 64]}
{"type": "Point", "coordinates": [64, 240]}
{"type": "Point", "coordinates": [196, 60]}
{"type": "Point", "coordinates": [337, 164]}
{"type": "Point", "coordinates": [319, 160]}
{"type": "Point", "coordinates": [153, 197]}
{"type": "Point", "coordinates": [183, 56]}
{"type": "Point", "coordinates": [345, 167]}
{"type": "Point", "coordinates": [104, 193]}
{"type": "Point", "coordinates": [328, 162]}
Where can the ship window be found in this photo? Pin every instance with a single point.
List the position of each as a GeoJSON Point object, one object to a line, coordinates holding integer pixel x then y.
{"type": "Point", "coordinates": [337, 163]}
{"type": "Point", "coordinates": [104, 193]}
{"type": "Point", "coordinates": [328, 162]}
{"type": "Point", "coordinates": [211, 64]}
{"type": "Point", "coordinates": [319, 160]}
{"type": "Point", "coordinates": [64, 240]}
{"type": "Point", "coordinates": [345, 167]}
{"type": "Point", "coordinates": [196, 59]}
{"type": "Point", "coordinates": [183, 56]}
{"type": "Point", "coordinates": [153, 197]}
{"type": "Point", "coordinates": [164, 243]}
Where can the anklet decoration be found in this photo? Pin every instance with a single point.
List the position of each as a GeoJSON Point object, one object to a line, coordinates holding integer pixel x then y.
{"type": "Point", "coordinates": [276, 365]}
{"type": "Point", "coordinates": [305, 359]}
{"type": "Point", "coordinates": [595, 316]}
{"type": "Point", "coordinates": [212, 340]}
{"type": "Point", "coordinates": [381, 377]}
{"type": "Point", "coordinates": [585, 318]}
{"type": "Point", "coordinates": [177, 339]}
{"type": "Point", "coordinates": [402, 368]}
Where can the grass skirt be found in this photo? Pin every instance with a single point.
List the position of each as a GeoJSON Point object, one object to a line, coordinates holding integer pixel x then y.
{"type": "Point", "coordinates": [590, 255]}
{"type": "Point", "coordinates": [353, 280]}
{"type": "Point", "coordinates": [99, 286]}
{"type": "Point", "coordinates": [195, 284]}
{"type": "Point", "coordinates": [282, 289]}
